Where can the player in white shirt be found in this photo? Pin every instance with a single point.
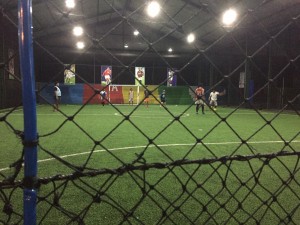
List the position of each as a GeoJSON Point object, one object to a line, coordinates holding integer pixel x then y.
{"type": "Point", "coordinates": [57, 96]}
{"type": "Point", "coordinates": [213, 98]}
{"type": "Point", "coordinates": [130, 96]}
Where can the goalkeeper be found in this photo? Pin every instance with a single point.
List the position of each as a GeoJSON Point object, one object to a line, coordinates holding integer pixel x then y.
{"type": "Point", "coordinates": [130, 95]}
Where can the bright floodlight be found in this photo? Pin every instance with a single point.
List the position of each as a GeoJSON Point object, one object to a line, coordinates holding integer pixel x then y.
{"type": "Point", "coordinates": [170, 50]}
{"type": "Point", "coordinates": [136, 32]}
{"type": "Point", "coordinates": [126, 46]}
{"type": "Point", "coordinates": [70, 3]}
{"type": "Point", "coordinates": [80, 45]}
{"type": "Point", "coordinates": [153, 9]}
{"type": "Point", "coordinates": [77, 31]}
{"type": "Point", "coordinates": [190, 38]}
{"type": "Point", "coordinates": [229, 17]}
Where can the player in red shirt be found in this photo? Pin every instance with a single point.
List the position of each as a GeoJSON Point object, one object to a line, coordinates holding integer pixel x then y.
{"type": "Point", "coordinates": [200, 98]}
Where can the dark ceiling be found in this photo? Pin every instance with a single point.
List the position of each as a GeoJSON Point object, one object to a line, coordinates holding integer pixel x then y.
{"type": "Point", "coordinates": [109, 24]}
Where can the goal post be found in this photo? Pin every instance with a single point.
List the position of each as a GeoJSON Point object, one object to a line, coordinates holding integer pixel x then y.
{"type": "Point", "coordinates": [119, 94]}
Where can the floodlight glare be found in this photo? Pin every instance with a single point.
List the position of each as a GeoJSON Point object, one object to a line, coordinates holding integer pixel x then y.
{"type": "Point", "coordinates": [136, 32]}
{"type": "Point", "coordinates": [229, 17]}
{"type": "Point", "coordinates": [190, 38]}
{"type": "Point", "coordinates": [126, 46]}
{"type": "Point", "coordinates": [77, 31]}
{"type": "Point", "coordinates": [70, 4]}
{"type": "Point", "coordinates": [153, 9]}
{"type": "Point", "coordinates": [80, 45]}
{"type": "Point", "coordinates": [170, 50]}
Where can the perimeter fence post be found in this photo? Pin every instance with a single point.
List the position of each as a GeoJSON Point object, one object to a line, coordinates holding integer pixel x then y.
{"type": "Point", "coordinates": [29, 108]}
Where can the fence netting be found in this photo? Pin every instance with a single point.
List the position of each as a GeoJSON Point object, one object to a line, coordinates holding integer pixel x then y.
{"type": "Point", "coordinates": [215, 178]}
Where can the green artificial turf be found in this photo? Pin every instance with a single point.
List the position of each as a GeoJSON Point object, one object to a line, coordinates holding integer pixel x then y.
{"type": "Point", "coordinates": [158, 166]}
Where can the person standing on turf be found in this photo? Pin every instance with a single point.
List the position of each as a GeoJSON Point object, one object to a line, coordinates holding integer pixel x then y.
{"type": "Point", "coordinates": [57, 96]}
{"type": "Point", "coordinates": [146, 99]}
{"type": "Point", "coordinates": [131, 96]}
{"type": "Point", "coordinates": [213, 97]}
{"type": "Point", "coordinates": [163, 98]}
{"type": "Point", "coordinates": [200, 98]}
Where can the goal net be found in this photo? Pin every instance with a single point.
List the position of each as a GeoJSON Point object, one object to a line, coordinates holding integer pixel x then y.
{"type": "Point", "coordinates": [119, 94]}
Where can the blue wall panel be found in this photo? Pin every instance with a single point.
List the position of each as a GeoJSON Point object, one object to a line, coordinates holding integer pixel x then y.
{"type": "Point", "coordinates": [71, 94]}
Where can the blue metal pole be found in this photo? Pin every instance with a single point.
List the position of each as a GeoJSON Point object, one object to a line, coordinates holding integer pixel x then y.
{"type": "Point", "coordinates": [29, 108]}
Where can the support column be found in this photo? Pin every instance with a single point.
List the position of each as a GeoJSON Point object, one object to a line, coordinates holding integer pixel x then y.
{"type": "Point", "coordinates": [269, 75]}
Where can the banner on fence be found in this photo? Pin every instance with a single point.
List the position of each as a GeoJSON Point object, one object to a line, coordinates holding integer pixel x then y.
{"type": "Point", "coordinates": [69, 75]}
{"type": "Point", "coordinates": [242, 80]}
{"type": "Point", "coordinates": [140, 75]}
{"type": "Point", "coordinates": [11, 64]}
{"type": "Point", "coordinates": [106, 75]}
{"type": "Point", "coordinates": [171, 77]}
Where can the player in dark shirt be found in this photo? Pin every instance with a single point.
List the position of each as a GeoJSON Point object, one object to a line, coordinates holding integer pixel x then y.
{"type": "Point", "coordinates": [146, 100]}
{"type": "Point", "coordinates": [163, 98]}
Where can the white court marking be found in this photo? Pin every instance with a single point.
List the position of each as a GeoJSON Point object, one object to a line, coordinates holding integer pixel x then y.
{"type": "Point", "coordinates": [107, 114]}
{"type": "Point", "coordinates": [153, 115]}
{"type": "Point", "coordinates": [151, 146]}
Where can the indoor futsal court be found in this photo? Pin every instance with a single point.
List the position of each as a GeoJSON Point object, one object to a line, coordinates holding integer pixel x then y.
{"type": "Point", "coordinates": [150, 112]}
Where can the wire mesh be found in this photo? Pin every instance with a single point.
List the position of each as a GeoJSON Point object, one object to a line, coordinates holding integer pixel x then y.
{"type": "Point", "coordinates": [207, 180]}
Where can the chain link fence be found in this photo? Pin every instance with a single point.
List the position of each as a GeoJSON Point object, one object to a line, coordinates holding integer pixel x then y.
{"type": "Point", "coordinates": [219, 177]}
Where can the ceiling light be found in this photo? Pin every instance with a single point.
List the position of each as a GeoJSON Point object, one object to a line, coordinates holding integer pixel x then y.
{"type": "Point", "coordinates": [77, 31]}
{"type": "Point", "coordinates": [80, 45]}
{"type": "Point", "coordinates": [70, 3]}
{"type": "Point", "coordinates": [136, 32]}
{"type": "Point", "coordinates": [153, 9]}
{"type": "Point", "coordinates": [170, 50]}
{"type": "Point", "coordinates": [190, 38]}
{"type": "Point", "coordinates": [126, 46]}
{"type": "Point", "coordinates": [229, 17]}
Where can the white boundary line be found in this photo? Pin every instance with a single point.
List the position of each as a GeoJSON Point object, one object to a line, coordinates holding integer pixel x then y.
{"type": "Point", "coordinates": [153, 115]}
{"type": "Point", "coordinates": [150, 146]}
{"type": "Point", "coordinates": [145, 114]}
{"type": "Point", "coordinates": [115, 114]}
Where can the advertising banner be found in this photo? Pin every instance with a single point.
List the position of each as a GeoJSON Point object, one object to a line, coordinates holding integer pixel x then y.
{"type": "Point", "coordinates": [106, 75]}
{"type": "Point", "coordinates": [171, 77]}
{"type": "Point", "coordinates": [140, 75]}
{"type": "Point", "coordinates": [69, 75]}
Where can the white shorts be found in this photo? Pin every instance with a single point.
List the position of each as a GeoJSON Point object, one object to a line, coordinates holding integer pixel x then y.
{"type": "Point", "coordinates": [213, 102]}
{"type": "Point", "coordinates": [199, 102]}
